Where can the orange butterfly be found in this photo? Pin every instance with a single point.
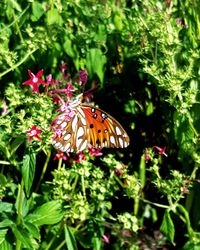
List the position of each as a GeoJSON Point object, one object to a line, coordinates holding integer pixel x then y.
{"type": "Point", "coordinates": [88, 127]}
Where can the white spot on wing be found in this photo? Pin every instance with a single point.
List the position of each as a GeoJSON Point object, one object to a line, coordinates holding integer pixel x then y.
{"type": "Point", "coordinates": [66, 147]}
{"type": "Point", "coordinates": [63, 125]}
{"type": "Point", "coordinates": [121, 142]}
{"type": "Point", "coordinates": [78, 142]}
{"type": "Point", "coordinates": [83, 121]}
{"type": "Point", "coordinates": [105, 144]}
{"type": "Point", "coordinates": [118, 131]}
{"type": "Point", "coordinates": [80, 132]}
{"type": "Point", "coordinates": [125, 144]}
{"type": "Point", "coordinates": [112, 139]}
{"type": "Point", "coordinates": [83, 146]}
{"type": "Point", "coordinates": [81, 111]}
{"type": "Point", "coordinates": [74, 123]}
{"type": "Point", "coordinates": [59, 121]}
{"type": "Point", "coordinates": [66, 137]}
{"type": "Point", "coordinates": [57, 144]}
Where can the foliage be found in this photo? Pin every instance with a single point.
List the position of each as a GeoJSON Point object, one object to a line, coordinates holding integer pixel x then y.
{"type": "Point", "coordinates": [143, 56]}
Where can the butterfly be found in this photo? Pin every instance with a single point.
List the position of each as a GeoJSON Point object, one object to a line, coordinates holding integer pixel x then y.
{"type": "Point", "coordinates": [88, 127]}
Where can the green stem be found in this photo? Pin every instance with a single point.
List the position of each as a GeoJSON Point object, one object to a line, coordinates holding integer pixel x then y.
{"type": "Point", "coordinates": [59, 163]}
{"type": "Point", "coordinates": [155, 204]}
{"type": "Point", "coordinates": [19, 63]}
{"type": "Point", "coordinates": [43, 170]}
{"type": "Point", "coordinates": [61, 245]}
{"type": "Point", "coordinates": [19, 212]}
{"type": "Point", "coordinates": [54, 237]}
{"type": "Point", "coordinates": [83, 186]}
{"type": "Point", "coordinates": [193, 174]}
{"type": "Point", "coordinates": [74, 184]}
{"type": "Point", "coordinates": [16, 19]}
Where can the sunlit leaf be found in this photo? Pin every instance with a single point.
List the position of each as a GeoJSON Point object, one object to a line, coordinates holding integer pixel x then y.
{"type": "Point", "coordinates": [49, 213]}
{"type": "Point", "coordinates": [70, 238]}
{"type": "Point", "coordinates": [28, 170]}
{"type": "Point", "coordinates": [167, 226]}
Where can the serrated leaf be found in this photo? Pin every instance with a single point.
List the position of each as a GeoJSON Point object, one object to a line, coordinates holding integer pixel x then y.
{"type": "Point", "coordinates": [49, 213]}
{"type": "Point", "coordinates": [167, 226]}
{"type": "Point", "coordinates": [70, 238]}
{"type": "Point", "coordinates": [28, 170]}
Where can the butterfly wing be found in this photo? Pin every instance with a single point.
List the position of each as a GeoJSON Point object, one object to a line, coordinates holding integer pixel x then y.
{"type": "Point", "coordinates": [103, 129]}
{"type": "Point", "coordinates": [90, 127]}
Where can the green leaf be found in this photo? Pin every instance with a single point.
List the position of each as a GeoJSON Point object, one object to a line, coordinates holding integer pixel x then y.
{"type": "Point", "coordinates": [95, 61]}
{"type": "Point", "coordinates": [22, 236]}
{"type": "Point", "coordinates": [187, 220]}
{"type": "Point", "coordinates": [33, 229]}
{"type": "Point", "coordinates": [71, 51]}
{"type": "Point", "coordinates": [142, 171]}
{"type": "Point", "coordinates": [37, 10]}
{"type": "Point", "coordinates": [28, 170]}
{"type": "Point", "coordinates": [21, 198]}
{"type": "Point", "coordinates": [16, 143]}
{"type": "Point", "coordinates": [54, 17]}
{"type": "Point", "coordinates": [167, 226]}
{"type": "Point", "coordinates": [5, 245]}
{"type": "Point", "coordinates": [3, 233]}
{"type": "Point", "coordinates": [15, 5]}
{"type": "Point", "coordinates": [6, 223]}
{"type": "Point", "coordinates": [49, 213]}
{"type": "Point", "coordinates": [70, 238]}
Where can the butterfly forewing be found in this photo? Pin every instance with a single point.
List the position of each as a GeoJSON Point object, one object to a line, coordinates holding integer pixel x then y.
{"type": "Point", "coordinates": [90, 127]}
{"type": "Point", "coordinates": [104, 130]}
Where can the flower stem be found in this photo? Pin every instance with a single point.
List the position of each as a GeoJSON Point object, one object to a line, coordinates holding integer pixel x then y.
{"type": "Point", "coordinates": [43, 170]}
{"type": "Point", "coordinates": [19, 63]}
{"type": "Point", "coordinates": [19, 211]}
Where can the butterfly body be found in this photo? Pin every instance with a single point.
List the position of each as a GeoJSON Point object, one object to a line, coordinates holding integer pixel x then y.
{"type": "Point", "coordinates": [89, 126]}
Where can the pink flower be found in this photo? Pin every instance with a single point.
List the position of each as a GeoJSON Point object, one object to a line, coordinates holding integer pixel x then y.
{"type": "Point", "coordinates": [69, 88]}
{"type": "Point", "coordinates": [60, 155]}
{"type": "Point", "coordinates": [63, 68]}
{"type": "Point", "coordinates": [106, 239]}
{"type": "Point", "coordinates": [178, 21]}
{"type": "Point", "coordinates": [33, 133]}
{"type": "Point", "coordinates": [82, 76]}
{"type": "Point", "coordinates": [4, 108]}
{"type": "Point", "coordinates": [161, 151]}
{"type": "Point", "coordinates": [147, 156]}
{"type": "Point", "coordinates": [81, 157]}
{"type": "Point", "coordinates": [34, 80]}
{"type": "Point", "coordinates": [94, 151]}
{"type": "Point", "coordinates": [57, 132]}
{"type": "Point", "coordinates": [121, 170]}
{"type": "Point", "coordinates": [168, 3]}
